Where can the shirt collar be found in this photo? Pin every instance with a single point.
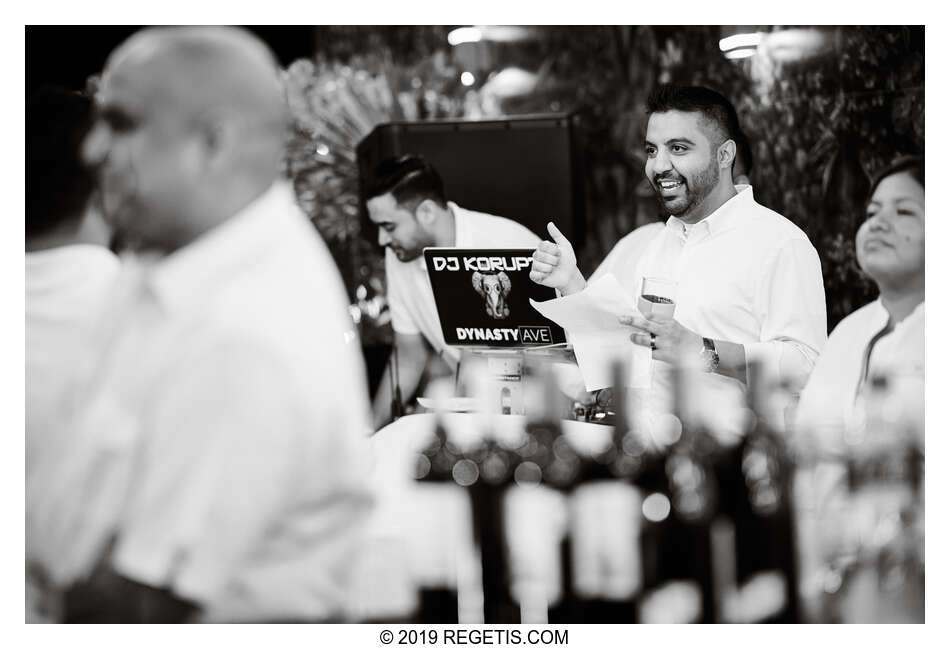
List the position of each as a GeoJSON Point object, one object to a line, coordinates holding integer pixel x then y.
{"type": "Point", "coordinates": [192, 273]}
{"type": "Point", "coordinates": [882, 316]}
{"type": "Point", "coordinates": [461, 232]}
{"type": "Point", "coordinates": [879, 316]}
{"type": "Point", "coordinates": [725, 216]}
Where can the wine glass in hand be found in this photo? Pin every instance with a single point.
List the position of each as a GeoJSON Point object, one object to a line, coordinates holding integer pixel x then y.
{"type": "Point", "coordinates": [657, 297]}
{"type": "Point", "coordinates": [555, 264]}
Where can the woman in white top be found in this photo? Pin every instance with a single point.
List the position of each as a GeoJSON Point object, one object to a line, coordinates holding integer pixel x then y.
{"type": "Point", "coordinates": [885, 337]}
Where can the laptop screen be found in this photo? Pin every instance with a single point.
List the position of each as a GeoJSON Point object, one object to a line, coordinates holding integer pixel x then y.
{"type": "Point", "coordinates": [482, 297]}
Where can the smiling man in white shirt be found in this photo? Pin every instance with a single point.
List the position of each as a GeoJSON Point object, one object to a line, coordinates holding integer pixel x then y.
{"type": "Point", "coordinates": [218, 448]}
{"type": "Point", "coordinates": [748, 280]}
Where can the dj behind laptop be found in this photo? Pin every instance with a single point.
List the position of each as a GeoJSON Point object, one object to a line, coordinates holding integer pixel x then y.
{"type": "Point", "coordinates": [483, 301]}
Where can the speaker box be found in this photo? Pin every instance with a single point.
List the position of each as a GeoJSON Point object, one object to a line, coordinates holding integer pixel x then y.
{"type": "Point", "coordinates": [523, 168]}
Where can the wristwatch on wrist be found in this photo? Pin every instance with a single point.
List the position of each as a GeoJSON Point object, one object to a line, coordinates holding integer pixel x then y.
{"type": "Point", "coordinates": [709, 355]}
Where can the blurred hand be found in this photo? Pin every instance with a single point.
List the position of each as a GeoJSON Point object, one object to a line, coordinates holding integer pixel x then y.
{"type": "Point", "coordinates": [555, 264]}
{"type": "Point", "coordinates": [669, 338]}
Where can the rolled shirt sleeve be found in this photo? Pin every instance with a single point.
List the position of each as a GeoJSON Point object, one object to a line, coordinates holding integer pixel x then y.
{"type": "Point", "coordinates": [791, 301]}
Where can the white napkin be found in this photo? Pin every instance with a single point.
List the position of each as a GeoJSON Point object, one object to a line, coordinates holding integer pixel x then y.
{"type": "Point", "coordinates": [590, 319]}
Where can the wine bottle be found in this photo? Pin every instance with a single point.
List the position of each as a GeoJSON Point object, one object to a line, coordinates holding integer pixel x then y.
{"type": "Point", "coordinates": [438, 603]}
{"type": "Point", "coordinates": [547, 470]}
{"type": "Point", "coordinates": [607, 521]}
{"type": "Point", "coordinates": [487, 473]}
{"type": "Point", "coordinates": [761, 584]}
{"type": "Point", "coordinates": [681, 584]}
{"type": "Point", "coordinates": [885, 583]}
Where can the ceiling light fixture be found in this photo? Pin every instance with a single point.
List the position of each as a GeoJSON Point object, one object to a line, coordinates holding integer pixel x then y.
{"type": "Point", "coordinates": [740, 41]}
{"type": "Point", "coordinates": [464, 35]}
{"type": "Point", "coordinates": [740, 46]}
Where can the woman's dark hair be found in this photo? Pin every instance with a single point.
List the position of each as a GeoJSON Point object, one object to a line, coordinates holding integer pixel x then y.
{"type": "Point", "coordinates": [911, 164]}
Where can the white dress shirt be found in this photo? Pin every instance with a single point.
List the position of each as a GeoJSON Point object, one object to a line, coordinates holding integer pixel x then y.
{"type": "Point", "coordinates": [407, 283]}
{"type": "Point", "coordinates": [745, 274]}
{"type": "Point", "coordinates": [829, 402]}
{"type": "Point", "coordinates": [221, 438]}
{"type": "Point", "coordinates": [66, 287]}
{"type": "Point", "coordinates": [65, 290]}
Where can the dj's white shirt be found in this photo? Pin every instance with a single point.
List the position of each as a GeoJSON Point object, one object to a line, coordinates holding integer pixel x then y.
{"type": "Point", "coordinates": [220, 443]}
{"type": "Point", "coordinates": [745, 274]}
{"type": "Point", "coordinates": [409, 293]}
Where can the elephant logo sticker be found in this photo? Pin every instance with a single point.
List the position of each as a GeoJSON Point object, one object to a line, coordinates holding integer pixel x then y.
{"type": "Point", "coordinates": [494, 288]}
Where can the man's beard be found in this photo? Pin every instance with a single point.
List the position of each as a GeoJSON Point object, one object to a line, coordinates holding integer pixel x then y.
{"type": "Point", "coordinates": [406, 255]}
{"type": "Point", "coordinates": [697, 189]}
{"type": "Point", "coordinates": [409, 253]}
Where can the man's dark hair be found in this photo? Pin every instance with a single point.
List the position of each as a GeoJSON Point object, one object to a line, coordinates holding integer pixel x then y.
{"type": "Point", "coordinates": [911, 164]}
{"type": "Point", "coordinates": [58, 185]}
{"type": "Point", "coordinates": [410, 179]}
{"type": "Point", "coordinates": [697, 99]}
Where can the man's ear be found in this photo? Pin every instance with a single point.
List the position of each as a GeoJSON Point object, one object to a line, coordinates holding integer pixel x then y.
{"type": "Point", "coordinates": [220, 133]}
{"type": "Point", "coordinates": [726, 154]}
{"type": "Point", "coordinates": [426, 212]}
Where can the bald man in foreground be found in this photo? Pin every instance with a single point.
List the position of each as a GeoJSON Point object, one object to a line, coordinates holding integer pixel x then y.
{"type": "Point", "coordinates": [217, 448]}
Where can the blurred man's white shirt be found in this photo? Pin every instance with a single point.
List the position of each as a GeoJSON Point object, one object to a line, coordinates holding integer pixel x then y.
{"type": "Point", "coordinates": [66, 287]}
{"type": "Point", "coordinates": [222, 437]}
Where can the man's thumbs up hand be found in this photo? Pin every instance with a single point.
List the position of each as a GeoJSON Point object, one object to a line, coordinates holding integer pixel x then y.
{"type": "Point", "coordinates": [555, 264]}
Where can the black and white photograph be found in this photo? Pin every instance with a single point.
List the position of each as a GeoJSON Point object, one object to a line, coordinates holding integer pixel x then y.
{"type": "Point", "coordinates": [475, 334]}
